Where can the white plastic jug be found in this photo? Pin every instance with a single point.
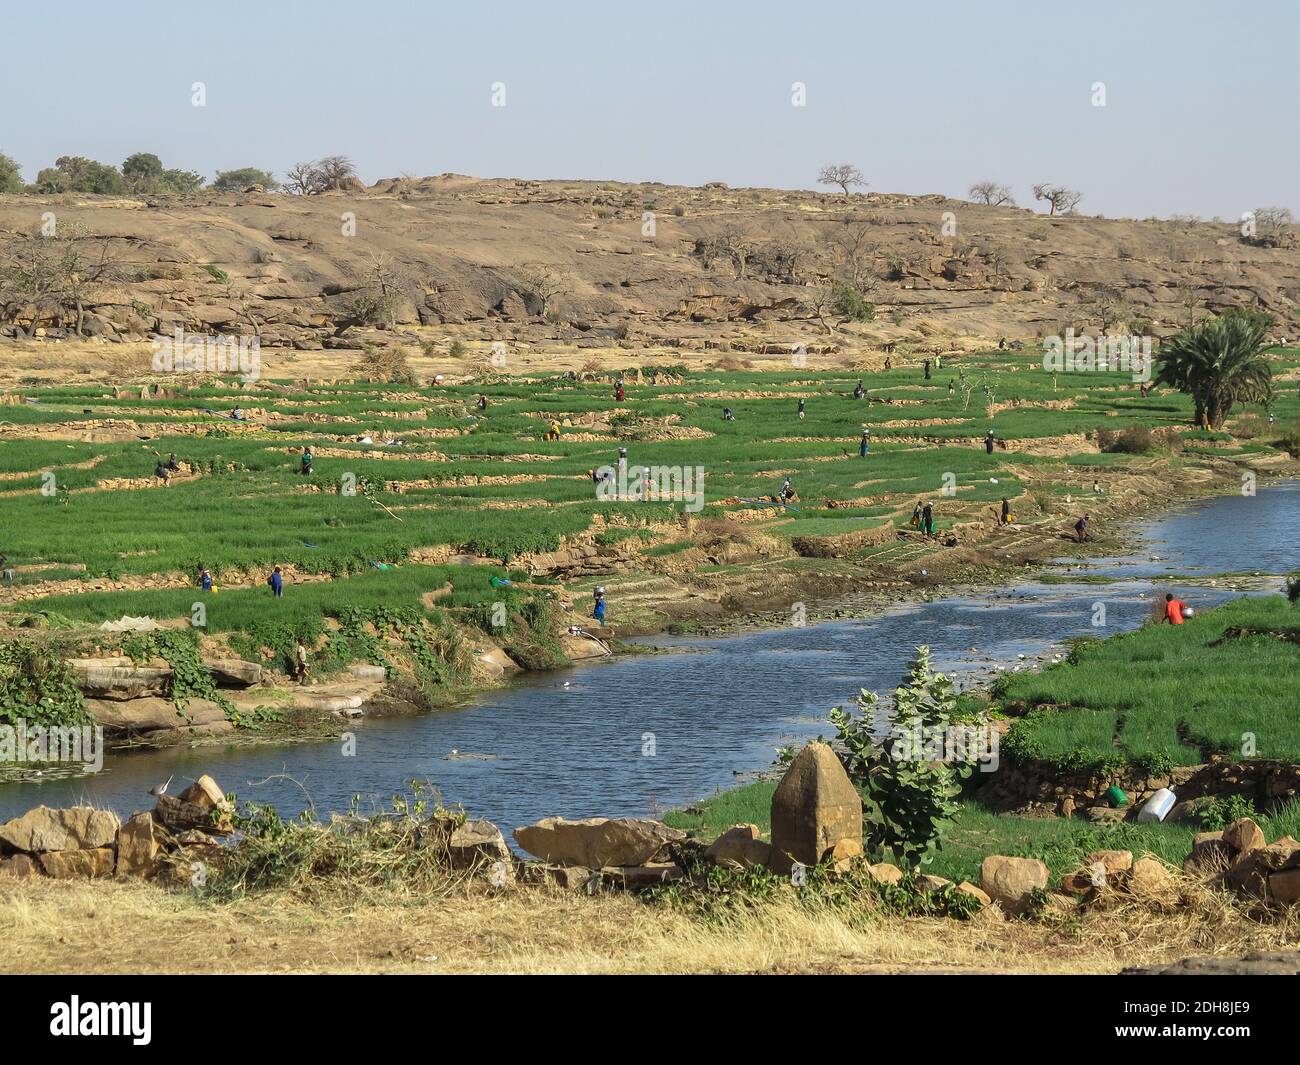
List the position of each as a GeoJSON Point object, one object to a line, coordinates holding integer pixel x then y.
{"type": "Point", "coordinates": [1158, 806]}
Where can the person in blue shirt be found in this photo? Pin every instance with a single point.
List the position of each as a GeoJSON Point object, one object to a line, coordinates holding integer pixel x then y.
{"type": "Point", "coordinates": [598, 610]}
{"type": "Point", "coordinates": [205, 578]}
{"type": "Point", "coordinates": [865, 445]}
{"type": "Point", "coordinates": [276, 581]}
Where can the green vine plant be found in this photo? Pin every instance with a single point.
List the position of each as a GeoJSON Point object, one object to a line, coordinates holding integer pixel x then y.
{"type": "Point", "coordinates": [179, 648]}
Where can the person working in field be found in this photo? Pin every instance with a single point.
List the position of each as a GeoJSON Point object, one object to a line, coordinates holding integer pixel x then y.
{"type": "Point", "coordinates": [301, 668]}
{"type": "Point", "coordinates": [553, 433]}
{"type": "Point", "coordinates": [787, 491]}
{"type": "Point", "coordinates": [916, 515]}
{"type": "Point", "coordinates": [482, 403]}
{"type": "Point", "coordinates": [160, 471]}
{"type": "Point", "coordinates": [1081, 528]}
{"type": "Point", "coordinates": [859, 391]}
{"type": "Point", "coordinates": [864, 445]}
{"type": "Point", "coordinates": [927, 519]}
{"type": "Point", "coordinates": [172, 465]}
{"type": "Point", "coordinates": [598, 604]}
{"type": "Point", "coordinates": [926, 366]}
{"type": "Point", "coordinates": [1174, 609]}
{"type": "Point", "coordinates": [205, 578]}
{"type": "Point", "coordinates": [728, 415]}
{"type": "Point", "coordinates": [989, 441]}
{"type": "Point", "coordinates": [1006, 511]}
{"type": "Point", "coordinates": [620, 393]}
{"type": "Point", "coordinates": [306, 462]}
{"type": "Point", "coordinates": [276, 581]}
{"type": "Point", "coordinates": [802, 410]}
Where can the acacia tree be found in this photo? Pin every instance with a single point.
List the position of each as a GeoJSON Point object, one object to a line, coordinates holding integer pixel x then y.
{"type": "Point", "coordinates": [1060, 200]}
{"type": "Point", "coordinates": [845, 175]}
{"type": "Point", "coordinates": [544, 283]}
{"type": "Point", "coordinates": [992, 194]}
{"type": "Point", "coordinates": [1106, 303]}
{"type": "Point", "coordinates": [1220, 363]}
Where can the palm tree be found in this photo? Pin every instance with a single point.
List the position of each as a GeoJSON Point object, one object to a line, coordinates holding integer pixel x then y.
{"type": "Point", "coordinates": [1219, 363]}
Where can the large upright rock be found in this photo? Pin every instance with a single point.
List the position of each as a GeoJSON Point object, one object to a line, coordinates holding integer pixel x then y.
{"type": "Point", "coordinates": [814, 808]}
{"type": "Point", "coordinates": [46, 829]}
{"type": "Point", "coordinates": [1010, 882]}
{"type": "Point", "coordinates": [137, 846]}
{"type": "Point", "coordinates": [596, 841]}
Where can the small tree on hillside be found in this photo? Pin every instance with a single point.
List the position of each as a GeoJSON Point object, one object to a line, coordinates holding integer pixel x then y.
{"type": "Point", "coordinates": [1060, 200]}
{"type": "Point", "coordinates": [992, 194]}
{"type": "Point", "coordinates": [845, 175]}
{"type": "Point", "coordinates": [243, 178]}
{"type": "Point", "coordinates": [545, 283]}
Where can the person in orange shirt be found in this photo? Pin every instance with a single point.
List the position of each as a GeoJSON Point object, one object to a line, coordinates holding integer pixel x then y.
{"type": "Point", "coordinates": [1174, 609]}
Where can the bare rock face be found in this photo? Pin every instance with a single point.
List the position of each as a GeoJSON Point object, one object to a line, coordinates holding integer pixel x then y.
{"type": "Point", "coordinates": [739, 845]}
{"type": "Point", "coordinates": [138, 846]}
{"type": "Point", "coordinates": [79, 864]}
{"type": "Point", "coordinates": [1009, 881]}
{"type": "Point", "coordinates": [596, 842]}
{"type": "Point", "coordinates": [46, 829]}
{"type": "Point", "coordinates": [151, 713]}
{"type": "Point", "coordinates": [234, 672]}
{"type": "Point", "coordinates": [814, 808]}
{"type": "Point", "coordinates": [98, 680]}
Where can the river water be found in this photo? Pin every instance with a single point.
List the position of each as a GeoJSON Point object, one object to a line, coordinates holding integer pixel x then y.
{"type": "Point", "coordinates": [636, 735]}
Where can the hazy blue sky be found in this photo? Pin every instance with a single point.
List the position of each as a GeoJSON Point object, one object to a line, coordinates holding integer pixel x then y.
{"type": "Point", "coordinates": [1200, 116]}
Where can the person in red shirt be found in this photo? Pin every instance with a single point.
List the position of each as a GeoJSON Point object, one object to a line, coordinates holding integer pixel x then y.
{"type": "Point", "coordinates": [1174, 609]}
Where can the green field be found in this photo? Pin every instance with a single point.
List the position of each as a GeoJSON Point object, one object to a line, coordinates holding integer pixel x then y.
{"type": "Point", "coordinates": [1166, 695]}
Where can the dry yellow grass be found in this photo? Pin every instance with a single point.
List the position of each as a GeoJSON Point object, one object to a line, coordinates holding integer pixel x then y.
{"type": "Point", "coordinates": [66, 927]}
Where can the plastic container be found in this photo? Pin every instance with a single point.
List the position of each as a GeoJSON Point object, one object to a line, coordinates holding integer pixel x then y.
{"type": "Point", "coordinates": [1158, 806]}
{"type": "Point", "coordinates": [1116, 796]}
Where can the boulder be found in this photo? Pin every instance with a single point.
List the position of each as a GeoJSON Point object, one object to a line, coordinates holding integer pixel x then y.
{"type": "Point", "coordinates": [19, 867]}
{"type": "Point", "coordinates": [1009, 881]}
{"type": "Point", "coordinates": [966, 887]}
{"type": "Point", "coordinates": [206, 793]}
{"type": "Point", "coordinates": [1151, 879]}
{"type": "Point", "coordinates": [814, 808]}
{"type": "Point", "coordinates": [1284, 887]}
{"type": "Point", "coordinates": [928, 882]}
{"type": "Point", "coordinates": [884, 873]}
{"type": "Point", "coordinates": [564, 877]}
{"type": "Point", "coordinates": [1284, 854]}
{"type": "Point", "coordinates": [739, 845]}
{"type": "Point", "coordinates": [138, 846]}
{"type": "Point", "coordinates": [120, 682]}
{"type": "Point", "coordinates": [1105, 814]}
{"type": "Point", "coordinates": [1210, 855]}
{"type": "Point", "coordinates": [596, 842]}
{"type": "Point", "coordinates": [1244, 835]}
{"type": "Point", "coordinates": [177, 815]}
{"type": "Point", "coordinates": [46, 829]}
{"type": "Point", "coordinates": [1245, 876]}
{"type": "Point", "coordinates": [477, 844]}
{"type": "Point", "coordinates": [78, 864]}
{"type": "Point", "coordinates": [150, 714]}
{"type": "Point", "coordinates": [234, 672]}
{"type": "Point", "coordinates": [1112, 862]}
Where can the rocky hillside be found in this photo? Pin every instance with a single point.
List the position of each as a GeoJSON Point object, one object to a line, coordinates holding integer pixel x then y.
{"type": "Point", "coordinates": [604, 264]}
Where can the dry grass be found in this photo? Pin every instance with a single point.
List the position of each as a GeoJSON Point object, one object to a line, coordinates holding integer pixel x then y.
{"type": "Point", "coordinates": [65, 927]}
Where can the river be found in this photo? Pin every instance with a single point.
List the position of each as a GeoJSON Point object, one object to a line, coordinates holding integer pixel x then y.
{"type": "Point", "coordinates": [636, 735]}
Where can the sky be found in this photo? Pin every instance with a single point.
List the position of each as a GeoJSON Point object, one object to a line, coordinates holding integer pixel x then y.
{"type": "Point", "coordinates": [1200, 99]}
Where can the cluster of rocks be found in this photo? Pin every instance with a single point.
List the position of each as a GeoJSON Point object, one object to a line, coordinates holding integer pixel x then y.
{"type": "Point", "coordinates": [135, 701]}
{"type": "Point", "coordinates": [82, 842]}
{"type": "Point", "coordinates": [1241, 858]}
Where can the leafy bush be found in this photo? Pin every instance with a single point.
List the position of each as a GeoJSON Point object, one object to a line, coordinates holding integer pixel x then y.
{"type": "Point", "coordinates": [848, 302]}
{"type": "Point", "coordinates": [912, 798]}
{"type": "Point", "coordinates": [38, 686]}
